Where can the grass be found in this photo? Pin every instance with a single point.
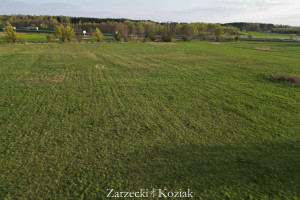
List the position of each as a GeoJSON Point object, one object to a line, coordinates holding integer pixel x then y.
{"type": "Point", "coordinates": [270, 35]}
{"type": "Point", "coordinates": [28, 37]}
{"type": "Point", "coordinates": [42, 38]}
{"type": "Point", "coordinates": [283, 78]}
{"type": "Point", "coordinates": [77, 119]}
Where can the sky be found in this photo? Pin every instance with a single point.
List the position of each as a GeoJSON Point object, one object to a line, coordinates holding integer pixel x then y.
{"type": "Point", "coordinates": [216, 11]}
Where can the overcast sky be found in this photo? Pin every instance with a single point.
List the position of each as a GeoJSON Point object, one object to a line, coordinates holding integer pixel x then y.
{"type": "Point", "coordinates": [266, 11]}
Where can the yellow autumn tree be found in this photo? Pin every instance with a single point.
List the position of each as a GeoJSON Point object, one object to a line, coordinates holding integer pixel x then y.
{"type": "Point", "coordinates": [11, 34]}
{"type": "Point", "coordinates": [98, 35]}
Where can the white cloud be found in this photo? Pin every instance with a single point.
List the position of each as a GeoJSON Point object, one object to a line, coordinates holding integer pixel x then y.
{"type": "Point", "coordinates": [264, 11]}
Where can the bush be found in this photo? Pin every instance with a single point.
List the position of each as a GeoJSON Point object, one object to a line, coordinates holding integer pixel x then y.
{"type": "Point", "coordinates": [127, 39]}
{"type": "Point", "coordinates": [79, 38]}
{"type": "Point", "coordinates": [98, 35]}
{"type": "Point", "coordinates": [165, 37]}
{"type": "Point", "coordinates": [187, 38]}
{"type": "Point", "coordinates": [69, 33]}
{"type": "Point", "coordinates": [64, 33]}
{"type": "Point", "coordinates": [187, 32]}
{"type": "Point", "coordinates": [11, 34]}
{"type": "Point", "coordinates": [231, 39]}
{"type": "Point", "coordinates": [151, 34]}
{"type": "Point", "coordinates": [118, 37]}
{"type": "Point", "coordinates": [218, 32]}
{"type": "Point", "coordinates": [250, 35]}
{"type": "Point", "coordinates": [237, 38]}
{"type": "Point", "coordinates": [132, 38]}
{"type": "Point", "coordinates": [147, 39]}
{"type": "Point", "coordinates": [50, 38]}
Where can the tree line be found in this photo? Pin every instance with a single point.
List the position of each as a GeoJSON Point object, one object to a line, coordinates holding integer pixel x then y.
{"type": "Point", "coordinates": [123, 28]}
{"type": "Point", "coordinates": [109, 25]}
{"type": "Point", "coordinates": [256, 27]}
{"type": "Point", "coordinates": [63, 33]}
{"type": "Point", "coordinates": [286, 30]}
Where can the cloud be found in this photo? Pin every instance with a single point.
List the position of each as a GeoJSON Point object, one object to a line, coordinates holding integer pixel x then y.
{"type": "Point", "coordinates": [231, 7]}
{"type": "Point", "coordinates": [249, 4]}
{"type": "Point", "coordinates": [46, 8]}
{"type": "Point", "coordinates": [19, 7]}
{"type": "Point", "coordinates": [265, 11]}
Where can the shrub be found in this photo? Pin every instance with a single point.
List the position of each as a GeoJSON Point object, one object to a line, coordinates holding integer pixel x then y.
{"type": "Point", "coordinates": [165, 37]}
{"type": "Point", "coordinates": [132, 38]}
{"type": "Point", "coordinates": [218, 32]}
{"type": "Point", "coordinates": [250, 35]}
{"type": "Point", "coordinates": [151, 34]}
{"type": "Point", "coordinates": [118, 37]}
{"type": "Point", "coordinates": [187, 32]}
{"type": "Point", "coordinates": [11, 34]}
{"type": "Point", "coordinates": [59, 33]}
{"type": "Point", "coordinates": [127, 39]}
{"type": "Point", "coordinates": [69, 33]}
{"type": "Point", "coordinates": [147, 39]}
{"type": "Point", "coordinates": [50, 38]}
{"type": "Point", "coordinates": [79, 38]}
{"type": "Point", "coordinates": [98, 35]}
{"type": "Point", "coordinates": [237, 38]}
{"type": "Point", "coordinates": [231, 39]}
{"type": "Point", "coordinates": [187, 38]}
{"type": "Point", "coordinates": [64, 33]}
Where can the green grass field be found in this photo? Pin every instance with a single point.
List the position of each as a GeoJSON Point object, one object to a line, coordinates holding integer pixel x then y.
{"type": "Point", "coordinates": [42, 38]}
{"type": "Point", "coordinates": [28, 37]}
{"type": "Point", "coordinates": [270, 35]}
{"type": "Point", "coordinates": [78, 119]}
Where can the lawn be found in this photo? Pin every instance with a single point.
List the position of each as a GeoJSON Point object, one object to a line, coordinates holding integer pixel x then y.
{"type": "Point", "coordinates": [28, 37]}
{"type": "Point", "coordinates": [78, 119]}
{"type": "Point", "coordinates": [42, 37]}
{"type": "Point", "coordinates": [270, 35]}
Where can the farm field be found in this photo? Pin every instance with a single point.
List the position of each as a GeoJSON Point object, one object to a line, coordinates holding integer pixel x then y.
{"type": "Point", "coordinates": [78, 119]}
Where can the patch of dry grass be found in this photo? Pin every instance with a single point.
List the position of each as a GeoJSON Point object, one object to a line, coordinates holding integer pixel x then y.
{"type": "Point", "coordinates": [100, 66]}
{"type": "Point", "coordinates": [163, 43]}
{"type": "Point", "coordinates": [283, 78]}
{"type": "Point", "coordinates": [61, 70]}
{"type": "Point", "coordinates": [40, 79]}
{"type": "Point", "coordinates": [263, 49]}
{"type": "Point", "coordinates": [215, 43]}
